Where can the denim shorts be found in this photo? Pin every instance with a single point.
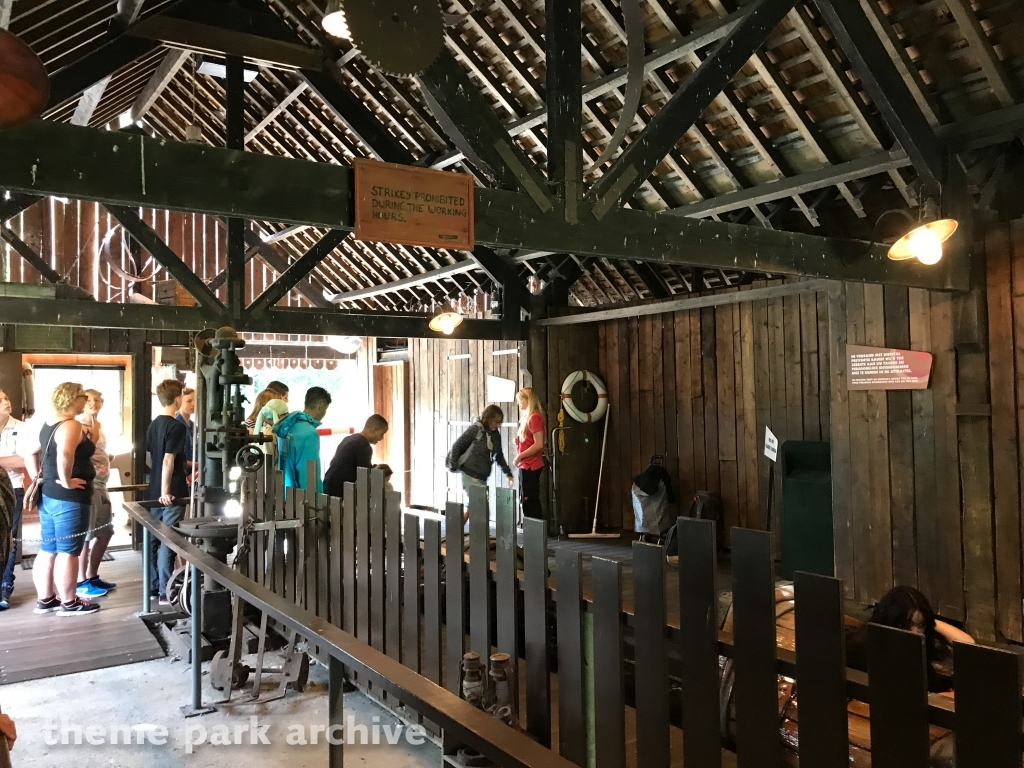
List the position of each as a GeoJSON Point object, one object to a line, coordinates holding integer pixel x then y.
{"type": "Point", "coordinates": [63, 525]}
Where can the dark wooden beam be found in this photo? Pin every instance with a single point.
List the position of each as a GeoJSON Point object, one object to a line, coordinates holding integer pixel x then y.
{"type": "Point", "coordinates": [503, 271]}
{"type": "Point", "coordinates": [311, 290]}
{"type": "Point", "coordinates": [477, 127]}
{"type": "Point", "coordinates": [24, 250]}
{"type": "Point", "coordinates": [173, 61]}
{"type": "Point", "coordinates": [697, 302]}
{"type": "Point", "coordinates": [651, 279]}
{"type": "Point", "coordinates": [109, 57]}
{"type": "Point", "coordinates": [564, 40]}
{"type": "Point", "coordinates": [235, 139]}
{"type": "Point", "coordinates": [167, 258]}
{"type": "Point", "coordinates": [632, 168]}
{"type": "Point", "coordinates": [15, 205]}
{"type": "Point", "coordinates": [357, 117]}
{"type": "Point", "coordinates": [222, 277]}
{"type": "Point", "coordinates": [90, 314]}
{"type": "Point", "coordinates": [891, 95]}
{"type": "Point", "coordinates": [301, 267]}
{"type": "Point", "coordinates": [42, 157]}
{"type": "Point", "coordinates": [888, 90]}
{"type": "Point", "coordinates": [206, 38]}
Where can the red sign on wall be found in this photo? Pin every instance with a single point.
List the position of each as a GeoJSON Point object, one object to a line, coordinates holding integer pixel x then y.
{"type": "Point", "coordinates": [881, 368]}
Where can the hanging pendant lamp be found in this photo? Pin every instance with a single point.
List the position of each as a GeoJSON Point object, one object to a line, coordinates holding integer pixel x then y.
{"type": "Point", "coordinates": [445, 320]}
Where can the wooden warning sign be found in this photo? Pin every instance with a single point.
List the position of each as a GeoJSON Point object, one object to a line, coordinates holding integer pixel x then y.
{"type": "Point", "coordinates": [413, 206]}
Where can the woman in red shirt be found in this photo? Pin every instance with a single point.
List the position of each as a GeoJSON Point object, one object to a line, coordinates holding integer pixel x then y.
{"type": "Point", "coordinates": [530, 451]}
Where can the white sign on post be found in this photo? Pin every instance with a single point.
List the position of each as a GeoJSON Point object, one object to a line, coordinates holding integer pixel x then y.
{"type": "Point", "coordinates": [771, 445]}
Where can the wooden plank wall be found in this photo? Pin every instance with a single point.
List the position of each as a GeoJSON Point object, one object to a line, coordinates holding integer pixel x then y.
{"type": "Point", "coordinates": [572, 348]}
{"type": "Point", "coordinates": [698, 387]}
{"type": "Point", "coordinates": [447, 391]}
{"type": "Point", "coordinates": [70, 236]}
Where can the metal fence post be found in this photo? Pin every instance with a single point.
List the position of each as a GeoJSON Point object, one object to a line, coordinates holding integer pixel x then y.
{"type": "Point", "coordinates": [197, 707]}
{"type": "Point", "coordinates": [145, 571]}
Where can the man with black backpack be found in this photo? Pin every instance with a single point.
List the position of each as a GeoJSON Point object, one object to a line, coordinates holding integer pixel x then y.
{"type": "Point", "coordinates": [475, 453]}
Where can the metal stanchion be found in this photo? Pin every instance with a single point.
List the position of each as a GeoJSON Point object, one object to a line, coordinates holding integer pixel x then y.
{"type": "Point", "coordinates": [335, 715]}
{"type": "Point", "coordinates": [145, 571]}
{"type": "Point", "coordinates": [197, 707]}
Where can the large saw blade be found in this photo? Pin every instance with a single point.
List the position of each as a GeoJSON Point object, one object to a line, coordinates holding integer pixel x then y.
{"type": "Point", "coordinates": [399, 37]}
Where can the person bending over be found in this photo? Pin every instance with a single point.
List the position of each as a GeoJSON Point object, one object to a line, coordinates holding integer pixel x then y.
{"type": "Point", "coordinates": [475, 453]}
{"type": "Point", "coordinates": [353, 452]}
{"type": "Point", "coordinates": [298, 442]}
{"type": "Point", "coordinates": [905, 608]}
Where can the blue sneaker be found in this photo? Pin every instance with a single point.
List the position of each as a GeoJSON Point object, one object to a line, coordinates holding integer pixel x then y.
{"type": "Point", "coordinates": [4, 605]}
{"type": "Point", "coordinates": [88, 589]}
{"type": "Point", "coordinates": [96, 581]}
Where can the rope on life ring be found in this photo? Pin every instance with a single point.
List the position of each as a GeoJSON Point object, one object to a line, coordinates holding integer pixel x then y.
{"type": "Point", "coordinates": [602, 396]}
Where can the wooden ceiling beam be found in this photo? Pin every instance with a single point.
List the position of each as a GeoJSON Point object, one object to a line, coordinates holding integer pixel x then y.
{"type": "Point", "coordinates": [648, 149]}
{"type": "Point", "coordinates": [297, 271]}
{"type": "Point", "coordinates": [168, 259]}
{"type": "Point", "coordinates": [123, 169]}
{"type": "Point", "coordinates": [172, 62]}
{"type": "Point", "coordinates": [970, 27]}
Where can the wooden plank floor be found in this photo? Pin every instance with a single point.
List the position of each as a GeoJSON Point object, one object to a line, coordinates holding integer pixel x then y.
{"type": "Point", "coordinates": [32, 647]}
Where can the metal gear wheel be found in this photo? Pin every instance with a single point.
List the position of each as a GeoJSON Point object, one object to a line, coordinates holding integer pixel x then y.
{"type": "Point", "coordinates": [399, 37]}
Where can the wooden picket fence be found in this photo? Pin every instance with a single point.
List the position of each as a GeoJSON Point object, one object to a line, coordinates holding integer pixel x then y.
{"type": "Point", "coordinates": [385, 578]}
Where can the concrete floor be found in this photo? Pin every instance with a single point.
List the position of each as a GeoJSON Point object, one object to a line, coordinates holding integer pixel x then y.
{"type": "Point", "coordinates": [149, 693]}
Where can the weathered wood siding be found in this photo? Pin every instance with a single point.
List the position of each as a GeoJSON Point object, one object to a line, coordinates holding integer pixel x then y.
{"type": "Point", "coordinates": [448, 390]}
{"type": "Point", "coordinates": [698, 387]}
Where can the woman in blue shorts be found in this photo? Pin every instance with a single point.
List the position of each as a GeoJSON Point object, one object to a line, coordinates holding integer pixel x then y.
{"type": "Point", "coordinates": [64, 510]}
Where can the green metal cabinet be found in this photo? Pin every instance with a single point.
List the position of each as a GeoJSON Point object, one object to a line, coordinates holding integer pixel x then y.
{"type": "Point", "coordinates": [807, 540]}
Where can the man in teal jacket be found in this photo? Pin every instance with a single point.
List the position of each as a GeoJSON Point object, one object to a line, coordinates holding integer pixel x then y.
{"type": "Point", "coordinates": [298, 441]}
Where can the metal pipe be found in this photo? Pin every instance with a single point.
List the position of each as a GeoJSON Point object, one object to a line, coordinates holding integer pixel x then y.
{"type": "Point", "coordinates": [197, 642]}
{"type": "Point", "coordinates": [145, 571]}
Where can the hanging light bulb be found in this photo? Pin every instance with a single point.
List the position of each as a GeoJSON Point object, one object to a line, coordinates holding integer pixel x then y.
{"type": "Point", "coordinates": [924, 242]}
{"type": "Point", "coordinates": [335, 24]}
{"type": "Point", "coordinates": [445, 320]}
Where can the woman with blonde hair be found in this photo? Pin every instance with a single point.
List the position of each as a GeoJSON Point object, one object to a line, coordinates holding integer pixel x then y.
{"type": "Point", "coordinates": [65, 509]}
{"type": "Point", "coordinates": [530, 451]}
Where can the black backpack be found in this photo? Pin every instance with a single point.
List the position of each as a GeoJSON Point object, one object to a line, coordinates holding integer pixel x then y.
{"type": "Point", "coordinates": [705, 506]}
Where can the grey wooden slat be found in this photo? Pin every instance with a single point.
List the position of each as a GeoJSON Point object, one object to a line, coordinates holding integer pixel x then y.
{"type": "Point", "coordinates": [348, 532]}
{"type": "Point", "coordinates": [698, 622]}
{"type": "Point", "coordinates": [393, 575]}
{"type": "Point", "coordinates": [363, 554]}
{"type": "Point", "coordinates": [988, 710]}
{"type": "Point", "coordinates": [757, 706]}
{"type": "Point", "coordinates": [506, 592]}
{"type": "Point", "coordinates": [432, 600]}
{"type": "Point", "coordinates": [821, 671]}
{"type": "Point", "coordinates": [572, 734]}
{"type": "Point", "coordinates": [292, 504]}
{"type": "Point", "coordinates": [324, 565]}
{"type": "Point", "coordinates": [651, 675]}
{"type": "Point", "coordinates": [411, 588]}
{"type": "Point", "coordinates": [454, 567]}
{"type": "Point", "coordinates": [480, 609]}
{"type": "Point", "coordinates": [538, 679]}
{"type": "Point", "coordinates": [377, 584]}
{"type": "Point", "coordinates": [337, 564]}
{"type": "Point", "coordinates": [609, 682]}
{"type": "Point", "coordinates": [898, 697]}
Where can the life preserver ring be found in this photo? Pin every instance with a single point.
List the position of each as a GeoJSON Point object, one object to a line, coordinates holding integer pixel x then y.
{"type": "Point", "coordinates": [602, 396]}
